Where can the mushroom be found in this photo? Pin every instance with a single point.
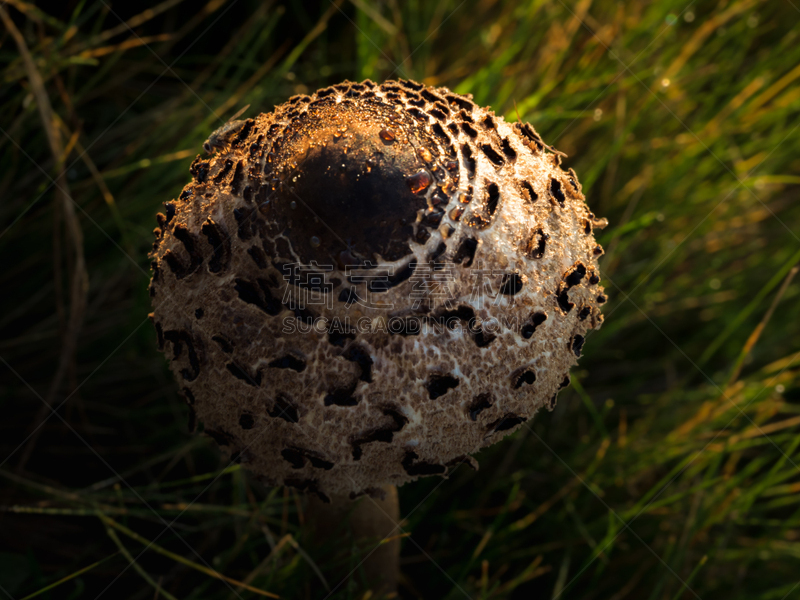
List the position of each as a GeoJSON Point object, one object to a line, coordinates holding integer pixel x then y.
{"type": "Point", "coordinates": [370, 284]}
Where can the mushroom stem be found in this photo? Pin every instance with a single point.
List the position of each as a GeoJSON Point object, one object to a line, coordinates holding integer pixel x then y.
{"type": "Point", "coordinates": [356, 531]}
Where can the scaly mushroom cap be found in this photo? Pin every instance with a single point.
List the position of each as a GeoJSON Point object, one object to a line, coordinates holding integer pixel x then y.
{"type": "Point", "coordinates": [371, 283]}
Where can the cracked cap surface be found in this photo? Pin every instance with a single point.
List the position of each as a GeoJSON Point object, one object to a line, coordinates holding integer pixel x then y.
{"type": "Point", "coordinates": [369, 284]}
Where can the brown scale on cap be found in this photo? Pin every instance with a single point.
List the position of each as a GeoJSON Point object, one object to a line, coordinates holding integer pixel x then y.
{"type": "Point", "coordinates": [369, 284]}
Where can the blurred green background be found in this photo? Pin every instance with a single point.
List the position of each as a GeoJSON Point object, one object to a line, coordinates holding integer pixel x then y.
{"type": "Point", "coordinates": [669, 469]}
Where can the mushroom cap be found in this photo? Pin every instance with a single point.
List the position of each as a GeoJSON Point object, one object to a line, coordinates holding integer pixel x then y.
{"type": "Point", "coordinates": [369, 284]}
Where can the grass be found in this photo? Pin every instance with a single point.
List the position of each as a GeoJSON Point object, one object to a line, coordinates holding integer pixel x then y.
{"type": "Point", "coordinates": [669, 469]}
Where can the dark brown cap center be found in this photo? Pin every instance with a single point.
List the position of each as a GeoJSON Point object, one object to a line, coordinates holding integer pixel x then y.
{"type": "Point", "coordinates": [350, 180]}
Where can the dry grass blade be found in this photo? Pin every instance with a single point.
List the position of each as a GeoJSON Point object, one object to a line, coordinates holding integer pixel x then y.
{"type": "Point", "coordinates": [79, 284]}
{"type": "Point", "coordinates": [311, 35]}
{"type": "Point", "coordinates": [751, 341]}
{"type": "Point", "coordinates": [272, 556]}
{"type": "Point", "coordinates": [137, 567]}
{"type": "Point", "coordinates": [178, 558]}
{"type": "Point", "coordinates": [69, 577]}
{"type": "Point", "coordinates": [137, 20]}
{"type": "Point", "coordinates": [126, 45]}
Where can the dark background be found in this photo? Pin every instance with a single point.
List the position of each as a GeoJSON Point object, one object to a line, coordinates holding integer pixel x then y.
{"type": "Point", "coordinates": [668, 469]}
